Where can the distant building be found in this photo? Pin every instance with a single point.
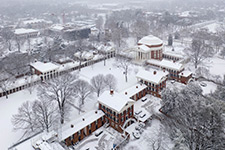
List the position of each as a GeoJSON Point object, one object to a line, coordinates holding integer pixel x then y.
{"type": "Point", "coordinates": [25, 33]}
{"type": "Point", "coordinates": [118, 109]}
{"type": "Point", "coordinates": [35, 23]}
{"type": "Point", "coordinates": [70, 32]}
{"type": "Point", "coordinates": [154, 80]}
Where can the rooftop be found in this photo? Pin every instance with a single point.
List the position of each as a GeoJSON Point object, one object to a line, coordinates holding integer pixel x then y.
{"type": "Point", "coordinates": [134, 90]}
{"type": "Point", "coordinates": [80, 123]}
{"type": "Point", "coordinates": [152, 76]}
{"type": "Point", "coordinates": [185, 73]}
{"type": "Point", "coordinates": [116, 101]}
{"type": "Point", "coordinates": [150, 40]}
{"type": "Point", "coordinates": [167, 64]}
{"type": "Point", "coordinates": [24, 31]}
{"type": "Point", "coordinates": [44, 67]}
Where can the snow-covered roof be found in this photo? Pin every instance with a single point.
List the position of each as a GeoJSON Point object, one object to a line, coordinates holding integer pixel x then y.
{"type": "Point", "coordinates": [152, 76]}
{"type": "Point", "coordinates": [68, 66]}
{"type": "Point", "coordinates": [44, 67]}
{"type": "Point", "coordinates": [167, 64]}
{"type": "Point", "coordinates": [150, 40]}
{"type": "Point", "coordinates": [134, 90]}
{"type": "Point", "coordinates": [174, 54]}
{"type": "Point", "coordinates": [80, 123]}
{"type": "Point", "coordinates": [57, 27]}
{"type": "Point", "coordinates": [114, 101]}
{"type": "Point", "coordinates": [32, 21]}
{"type": "Point", "coordinates": [185, 73]}
{"type": "Point", "coordinates": [11, 84]}
{"type": "Point", "coordinates": [24, 31]}
{"type": "Point", "coordinates": [213, 27]}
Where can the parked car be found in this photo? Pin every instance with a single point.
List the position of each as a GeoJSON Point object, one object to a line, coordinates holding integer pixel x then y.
{"type": "Point", "coordinates": [143, 99]}
{"type": "Point", "coordinates": [203, 84]}
{"type": "Point", "coordinates": [172, 81]}
{"type": "Point", "coordinates": [138, 128]}
{"type": "Point", "coordinates": [137, 113]}
{"type": "Point", "coordinates": [142, 116]}
{"type": "Point", "coordinates": [98, 132]}
{"type": "Point", "coordinates": [136, 135]}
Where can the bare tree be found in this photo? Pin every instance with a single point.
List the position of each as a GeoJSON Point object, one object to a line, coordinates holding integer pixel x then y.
{"type": "Point", "coordinates": [7, 35]}
{"type": "Point", "coordinates": [83, 90]}
{"type": "Point", "coordinates": [124, 64]}
{"type": "Point", "coordinates": [199, 52]}
{"type": "Point", "coordinates": [45, 114]}
{"type": "Point", "coordinates": [99, 25]}
{"type": "Point", "coordinates": [140, 28]}
{"type": "Point", "coordinates": [19, 41]}
{"type": "Point", "coordinates": [110, 81]}
{"type": "Point", "coordinates": [222, 52]}
{"type": "Point", "coordinates": [61, 91]}
{"type": "Point", "coordinates": [25, 119]}
{"type": "Point", "coordinates": [98, 83]}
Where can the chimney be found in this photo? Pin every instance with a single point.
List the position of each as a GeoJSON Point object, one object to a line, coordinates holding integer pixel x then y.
{"type": "Point", "coordinates": [72, 125]}
{"type": "Point", "coordinates": [137, 87]}
{"type": "Point", "coordinates": [154, 72]}
{"type": "Point", "coordinates": [111, 92]}
{"type": "Point", "coordinates": [125, 93]}
{"type": "Point", "coordinates": [83, 119]}
{"type": "Point", "coordinates": [96, 111]}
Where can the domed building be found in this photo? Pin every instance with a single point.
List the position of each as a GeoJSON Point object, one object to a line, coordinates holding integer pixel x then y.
{"type": "Point", "coordinates": [149, 47]}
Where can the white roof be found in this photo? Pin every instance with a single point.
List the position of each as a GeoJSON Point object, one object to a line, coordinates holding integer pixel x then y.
{"type": "Point", "coordinates": [24, 31]}
{"type": "Point", "coordinates": [33, 21]}
{"type": "Point", "coordinates": [150, 40]}
{"type": "Point", "coordinates": [174, 54]}
{"type": "Point", "coordinates": [151, 77]}
{"type": "Point", "coordinates": [79, 123]}
{"type": "Point", "coordinates": [134, 89]}
{"type": "Point", "coordinates": [57, 27]}
{"type": "Point", "coordinates": [44, 67]}
{"type": "Point", "coordinates": [185, 73]}
{"type": "Point", "coordinates": [167, 64]}
{"type": "Point", "coordinates": [114, 101]}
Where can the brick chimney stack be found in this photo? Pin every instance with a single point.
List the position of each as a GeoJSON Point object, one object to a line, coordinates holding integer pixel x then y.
{"type": "Point", "coordinates": [111, 92]}
{"type": "Point", "coordinates": [154, 72]}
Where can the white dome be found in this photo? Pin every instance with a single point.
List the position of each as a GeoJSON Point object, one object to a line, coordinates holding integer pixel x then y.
{"type": "Point", "coordinates": [150, 40]}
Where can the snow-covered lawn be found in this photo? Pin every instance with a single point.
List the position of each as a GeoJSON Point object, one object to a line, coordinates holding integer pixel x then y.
{"type": "Point", "coordinates": [8, 107]}
{"type": "Point", "coordinates": [99, 68]}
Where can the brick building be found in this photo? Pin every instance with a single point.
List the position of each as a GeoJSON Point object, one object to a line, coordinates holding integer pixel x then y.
{"type": "Point", "coordinates": [118, 109]}
{"type": "Point", "coordinates": [174, 68]}
{"type": "Point", "coordinates": [154, 80]}
{"type": "Point", "coordinates": [81, 127]}
{"type": "Point", "coordinates": [149, 47]}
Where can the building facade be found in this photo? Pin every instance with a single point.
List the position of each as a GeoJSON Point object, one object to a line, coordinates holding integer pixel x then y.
{"type": "Point", "coordinates": [118, 109]}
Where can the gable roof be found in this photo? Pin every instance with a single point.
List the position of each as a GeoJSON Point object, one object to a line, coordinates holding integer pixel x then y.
{"type": "Point", "coordinates": [151, 77]}
{"type": "Point", "coordinates": [114, 101]}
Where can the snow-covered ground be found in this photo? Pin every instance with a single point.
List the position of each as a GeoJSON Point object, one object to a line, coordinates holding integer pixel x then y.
{"type": "Point", "coordinates": [9, 106]}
